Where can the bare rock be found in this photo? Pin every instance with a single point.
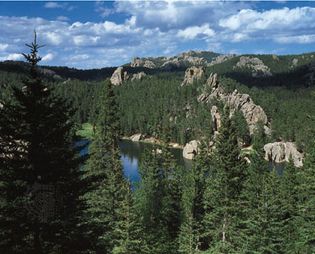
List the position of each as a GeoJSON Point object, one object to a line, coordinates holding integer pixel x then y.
{"type": "Point", "coordinates": [191, 149]}
{"type": "Point", "coordinates": [236, 101]}
{"type": "Point", "coordinates": [216, 118]}
{"type": "Point", "coordinates": [220, 59]}
{"type": "Point", "coordinates": [119, 76]}
{"type": "Point", "coordinates": [280, 152]}
{"type": "Point", "coordinates": [138, 62]}
{"type": "Point", "coordinates": [275, 57]}
{"type": "Point", "coordinates": [138, 76]}
{"type": "Point", "coordinates": [136, 137]}
{"type": "Point", "coordinates": [193, 74]}
{"type": "Point", "coordinates": [259, 69]}
{"type": "Point", "coordinates": [295, 62]}
{"type": "Point", "coordinates": [171, 64]}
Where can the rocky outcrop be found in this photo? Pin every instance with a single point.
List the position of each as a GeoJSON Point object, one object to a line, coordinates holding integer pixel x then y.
{"type": "Point", "coordinates": [192, 75]}
{"type": "Point", "coordinates": [257, 66]}
{"type": "Point", "coordinates": [236, 101]}
{"type": "Point", "coordinates": [138, 76]}
{"type": "Point", "coordinates": [119, 76]}
{"type": "Point", "coordinates": [136, 137]}
{"type": "Point", "coordinates": [280, 152]}
{"type": "Point", "coordinates": [221, 59]}
{"type": "Point", "coordinates": [138, 62]}
{"type": "Point", "coordinates": [191, 149]}
{"type": "Point", "coordinates": [294, 62]}
{"type": "Point", "coordinates": [171, 64]}
{"type": "Point", "coordinates": [216, 119]}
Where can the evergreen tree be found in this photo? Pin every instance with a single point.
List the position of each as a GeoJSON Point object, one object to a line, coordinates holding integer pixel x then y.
{"type": "Point", "coordinates": [130, 230]}
{"type": "Point", "coordinates": [289, 197]}
{"type": "Point", "coordinates": [39, 169]}
{"type": "Point", "coordinates": [225, 183]}
{"type": "Point", "coordinates": [108, 191]}
{"type": "Point", "coordinates": [158, 201]}
{"type": "Point", "coordinates": [306, 190]}
{"type": "Point", "coordinates": [191, 232]}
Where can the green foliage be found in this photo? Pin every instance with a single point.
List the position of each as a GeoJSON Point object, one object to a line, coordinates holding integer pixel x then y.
{"type": "Point", "coordinates": [107, 214]}
{"type": "Point", "coordinates": [158, 201]}
{"type": "Point", "coordinates": [225, 184]}
{"type": "Point", "coordinates": [191, 238]}
{"type": "Point", "coordinates": [39, 169]}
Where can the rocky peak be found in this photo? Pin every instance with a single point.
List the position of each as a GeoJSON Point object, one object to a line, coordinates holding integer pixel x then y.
{"type": "Point", "coordinates": [220, 59]}
{"type": "Point", "coordinates": [236, 101]}
{"type": "Point", "coordinates": [139, 62]}
{"type": "Point", "coordinates": [257, 66]}
{"type": "Point", "coordinates": [120, 76]}
{"type": "Point", "coordinates": [193, 74]}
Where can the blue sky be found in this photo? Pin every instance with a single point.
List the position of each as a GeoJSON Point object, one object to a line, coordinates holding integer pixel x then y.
{"type": "Point", "coordinates": [98, 34]}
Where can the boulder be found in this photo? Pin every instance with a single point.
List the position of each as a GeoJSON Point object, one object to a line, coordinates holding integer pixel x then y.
{"type": "Point", "coordinates": [280, 152]}
{"type": "Point", "coordinates": [191, 149]}
{"type": "Point", "coordinates": [193, 74]}
{"type": "Point", "coordinates": [257, 66]}
{"type": "Point", "coordinates": [119, 76]}
{"type": "Point", "coordinates": [136, 137]}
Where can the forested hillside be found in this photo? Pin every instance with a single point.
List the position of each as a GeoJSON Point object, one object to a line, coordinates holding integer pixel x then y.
{"type": "Point", "coordinates": [52, 200]}
{"type": "Point", "coordinates": [158, 106]}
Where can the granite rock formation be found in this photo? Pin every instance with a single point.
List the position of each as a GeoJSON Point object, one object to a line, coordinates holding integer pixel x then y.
{"type": "Point", "coordinates": [193, 74]}
{"type": "Point", "coordinates": [280, 152]}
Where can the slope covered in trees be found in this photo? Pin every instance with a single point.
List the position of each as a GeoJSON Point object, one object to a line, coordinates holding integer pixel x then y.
{"type": "Point", "coordinates": [222, 205]}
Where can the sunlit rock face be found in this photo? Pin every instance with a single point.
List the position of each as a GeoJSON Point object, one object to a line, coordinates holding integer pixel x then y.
{"type": "Point", "coordinates": [280, 152]}
{"type": "Point", "coordinates": [192, 75]}
{"type": "Point", "coordinates": [257, 66]}
{"type": "Point", "coordinates": [191, 149]}
{"type": "Point", "coordinates": [236, 101]}
{"type": "Point", "coordinates": [120, 76]}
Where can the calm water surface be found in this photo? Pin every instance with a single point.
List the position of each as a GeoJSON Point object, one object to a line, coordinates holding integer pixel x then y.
{"type": "Point", "coordinates": [131, 153]}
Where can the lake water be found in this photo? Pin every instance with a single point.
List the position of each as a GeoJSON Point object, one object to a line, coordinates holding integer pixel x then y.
{"type": "Point", "coordinates": [131, 153]}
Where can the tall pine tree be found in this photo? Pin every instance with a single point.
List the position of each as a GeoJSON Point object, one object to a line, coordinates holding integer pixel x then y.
{"type": "Point", "coordinates": [306, 189]}
{"type": "Point", "coordinates": [158, 201]}
{"type": "Point", "coordinates": [108, 193]}
{"type": "Point", "coordinates": [191, 238]}
{"type": "Point", "coordinates": [225, 183]}
{"type": "Point", "coordinates": [39, 169]}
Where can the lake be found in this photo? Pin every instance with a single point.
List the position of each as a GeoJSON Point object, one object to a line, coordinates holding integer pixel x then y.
{"type": "Point", "coordinates": [131, 153]}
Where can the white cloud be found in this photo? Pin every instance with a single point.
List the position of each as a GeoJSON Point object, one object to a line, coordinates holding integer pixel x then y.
{"type": "Point", "coordinates": [154, 28]}
{"type": "Point", "coordinates": [12, 57]}
{"type": "Point", "coordinates": [53, 5]}
{"type": "Point", "coordinates": [276, 24]}
{"type": "Point", "coordinates": [193, 32]}
{"type": "Point", "coordinates": [48, 57]}
{"type": "Point", "coordinates": [168, 15]}
{"type": "Point", "coordinates": [3, 46]}
{"type": "Point", "coordinates": [301, 39]}
{"type": "Point", "coordinates": [62, 18]}
{"type": "Point", "coordinates": [59, 5]}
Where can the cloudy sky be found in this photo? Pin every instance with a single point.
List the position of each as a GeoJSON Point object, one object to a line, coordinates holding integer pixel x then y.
{"type": "Point", "coordinates": [98, 34]}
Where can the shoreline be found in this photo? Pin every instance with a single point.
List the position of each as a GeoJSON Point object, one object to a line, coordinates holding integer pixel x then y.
{"type": "Point", "coordinates": [153, 141]}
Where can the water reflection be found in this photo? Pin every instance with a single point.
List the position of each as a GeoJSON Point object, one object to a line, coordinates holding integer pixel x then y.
{"type": "Point", "coordinates": [131, 154]}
